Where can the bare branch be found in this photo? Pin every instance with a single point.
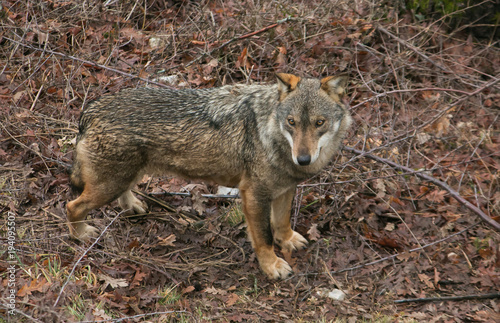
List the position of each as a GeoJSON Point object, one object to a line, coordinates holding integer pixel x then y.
{"type": "Point", "coordinates": [447, 298]}
{"type": "Point", "coordinates": [91, 63]}
{"type": "Point", "coordinates": [253, 33]}
{"type": "Point", "coordinates": [413, 48]}
{"type": "Point", "coordinates": [83, 255]}
{"type": "Point", "coordinates": [399, 254]}
{"type": "Point", "coordinates": [431, 179]}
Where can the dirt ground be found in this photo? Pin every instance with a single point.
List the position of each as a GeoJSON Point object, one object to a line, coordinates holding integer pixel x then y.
{"type": "Point", "coordinates": [398, 222]}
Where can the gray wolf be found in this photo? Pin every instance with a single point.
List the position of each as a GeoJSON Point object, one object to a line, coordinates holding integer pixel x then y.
{"type": "Point", "coordinates": [264, 139]}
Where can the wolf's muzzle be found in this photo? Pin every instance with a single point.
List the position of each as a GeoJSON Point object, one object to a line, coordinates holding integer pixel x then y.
{"type": "Point", "coordinates": [304, 160]}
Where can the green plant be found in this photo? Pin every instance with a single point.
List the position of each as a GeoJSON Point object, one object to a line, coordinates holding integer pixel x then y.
{"type": "Point", "coordinates": [77, 307]}
{"type": "Point", "coordinates": [425, 8]}
{"type": "Point", "coordinates": [235, 215]}
{"type": "Point", "coordinates": [169, 295]}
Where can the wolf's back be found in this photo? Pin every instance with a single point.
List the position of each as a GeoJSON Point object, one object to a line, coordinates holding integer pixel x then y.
{"type": "Point", "coordinates": [163, 107]}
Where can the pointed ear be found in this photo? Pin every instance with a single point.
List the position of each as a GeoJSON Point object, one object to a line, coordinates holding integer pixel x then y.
{"type": "Point", "coordinates": [334, 86]}
{"type": "Point", "coordinates": [286, 84]}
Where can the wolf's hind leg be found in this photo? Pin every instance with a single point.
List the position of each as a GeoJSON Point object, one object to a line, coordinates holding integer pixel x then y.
{"type": "Point", "coordinates": [91, 198]}
{"type": "Point", "coordinates": [131, 204]}
{"type": "Point", "coordinates": [101, 185]}
{"type": "Point", "coordinates": [283, 234]}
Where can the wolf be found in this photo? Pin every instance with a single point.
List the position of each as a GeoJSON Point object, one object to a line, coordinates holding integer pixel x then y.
{"type": "Point", "coordinates": [262, 138]}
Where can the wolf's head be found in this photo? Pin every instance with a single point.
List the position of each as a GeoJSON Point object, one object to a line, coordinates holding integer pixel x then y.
{"type": "Point", "coordinates": [311, 116]}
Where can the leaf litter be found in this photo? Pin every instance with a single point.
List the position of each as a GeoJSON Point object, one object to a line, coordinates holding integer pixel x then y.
{"type": "Point", "coordinates": [190, 262]}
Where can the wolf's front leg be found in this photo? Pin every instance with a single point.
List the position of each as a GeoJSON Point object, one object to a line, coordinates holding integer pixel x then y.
{"type": "Point", "coordinates": [284, 236]}
{"type": "Point", "coordinates": [257, 209]}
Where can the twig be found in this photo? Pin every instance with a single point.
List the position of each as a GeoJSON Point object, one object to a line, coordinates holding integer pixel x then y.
{"type": "Point", "coordinates": [450, 14]}
{"type": "Point", "coordinates": [137, 316]}
{"type": "Point", "coordinates": [460, 100]}
{"type": "Point", "coordinates": [431, 179]}
{"type": "Point", "coordinates": [8, 308]}
{"type": "Point", "coordinates": [83, 255]}
{"type": "Point", "coordinates": [167, 206]}
{"type": "Point", "coordinates": [42, 157]}
{"type": "Point", "coordinates": [210, 196]}
{"type": "Point", "coordinates": [253, 33]}
{"type": "Point", "coordinates": [406, 91]}
{"type": "Point", "coordinates": [92, 63]}
{"type": "Point", "coordinates": [25, 147]}
{"type": "Point", "coordinates": [36, 97]}
{"type": "Point", "coordinates": [413, 48]}
{"type": "Point", "coordinates": [399, 254]}
{"type": "Point", "coordinates": [447, 298]}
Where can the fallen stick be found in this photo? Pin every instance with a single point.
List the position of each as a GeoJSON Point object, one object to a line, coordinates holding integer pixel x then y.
{"type": "Point", "coordinates": [406, 252]}
{"type": "Point", "coordinates": [210, 196]}
{"type": "Point", "coordinates": [431, 179]}
{"type": "Point", "coordinates": [447, 298]}
{"type": "Point", "coordinates": [253, 33]}
{"type": "Point", "coordinates": [87, 62]}
{"type": "Point", "coordinates": [494, 81]}
{"type": "Point", "coordinates": [413, 48]}
{"type": "Point", "coordinates": [83, 255]}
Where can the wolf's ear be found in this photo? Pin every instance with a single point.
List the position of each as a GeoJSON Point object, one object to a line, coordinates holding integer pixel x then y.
{"type": "Point", "coordinates": [286, 84]}
{"type": "Point", "coordinates": [334, 86]}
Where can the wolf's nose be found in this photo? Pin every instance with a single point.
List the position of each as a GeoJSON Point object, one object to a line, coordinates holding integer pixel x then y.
{"type": "Point", "coordinates": [304, 160]}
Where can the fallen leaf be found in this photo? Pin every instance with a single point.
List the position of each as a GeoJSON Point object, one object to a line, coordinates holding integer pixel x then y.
{"type": "Point", "coordinates": [43, 37]}
{"type": "Point", "coordinates": [138, 278]}
{"type": "Point", "coordinates": [113, 282]}
{"type": "Point", "coordinates": [380, 186]}
{"type": "Point", "coordinates": [231, 299]}
{"type": "Point", "coordinates": [209, 67]}
{"type": "Point", "coordinates": [431, 96]}
{"type": "Point", "coordinates": [244, 60]}
{"type": "Point", "coordinates": [440, 127]}
{"type": "Point", "coordinates": [389, 227]}
{"type": "Point", "coordinates": [215, 291]}
{"type": "Point", "coordinates": [39, 285]}
{"type": "Point", "coordinates": [198, 201]}
{"type": "Point", "coordinates": [313, 232]}
{"type": "Point", "coordinates": [18, 96]}
{"type": "Point", "coordinates": [100, 314]}
{"type": "Point", "coordinates": [423, 137]}
{"type": "Point", "coordinates": [436, 277]}
{"type": "Point", "coordinates": [436, 196]}
{"type": "Point", "coordinates": [134, 244]}
{"type": "Point", "coordinates": [396, 200]}
{"type": "Point", "coordinates": [354, 35]}
{"type": "Point", "coordinates": [132, 33]}
{"type": "Point", "coordinates": [426, 280]}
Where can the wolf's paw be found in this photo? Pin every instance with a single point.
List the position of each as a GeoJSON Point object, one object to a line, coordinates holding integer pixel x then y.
{"type": "Point", "coordinates": [83, 231]}
{"type": "Point", "coordinates": [277, 270]}
{"type": "Point", "coordinates": [131, 204]}
{"type": "Point", "coordinates": [296, 242]}
{"type": "Point", "coordinates": [139, 207]}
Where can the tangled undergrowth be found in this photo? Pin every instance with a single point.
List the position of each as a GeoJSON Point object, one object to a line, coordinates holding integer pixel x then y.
{"type": "Point", "coordinates": [423, 97]}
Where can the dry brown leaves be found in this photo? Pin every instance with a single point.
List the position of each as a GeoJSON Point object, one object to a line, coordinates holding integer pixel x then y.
{"type": "Point", "coordinates": [408, 100]}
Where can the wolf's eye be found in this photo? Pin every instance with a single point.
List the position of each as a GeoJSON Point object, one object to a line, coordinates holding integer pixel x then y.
{"type": "Point", "coordinates": [291, 121]}
{"type": "Point", "coordinates": [319, 123]}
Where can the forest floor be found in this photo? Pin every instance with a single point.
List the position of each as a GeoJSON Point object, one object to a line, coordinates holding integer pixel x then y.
{"type": "Point", "coordinates": [398, 221]}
